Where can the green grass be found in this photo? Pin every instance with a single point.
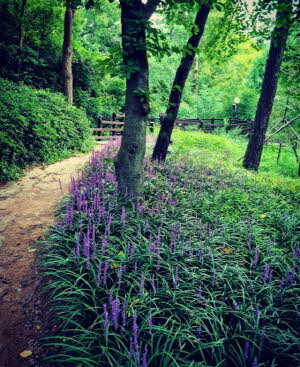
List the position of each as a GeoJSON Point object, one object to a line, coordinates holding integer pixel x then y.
{"type": "Point", "coordinates": [224, 151]}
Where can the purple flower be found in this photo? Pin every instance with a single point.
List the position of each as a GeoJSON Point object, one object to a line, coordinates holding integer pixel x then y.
{"type": "Point", "coordinates": [256, 258]}
{"type": "Point", "coordinates": [176, 277]}
{"type": "Point", "coordinates": [152, 281]}
{"type": "Point", "coordinates": [262, 337]}
{"type": "Point", "coordinates": [150, 323]}
{"type": "Point", "coordinates": [296, 253]}
{"type": "Point", "coordinates": [141, 289]}
{"type": "Point", "coordinates": [214, 278]}
{"type": "Point", "coordinates": [246, 350]}
{"type": "Point", "coordinates": [266, 273]}
{"type": "Point", "coordinates": [200, 255]}
{"type": "Point", "coordinates": [109, 176]}
{"type": "Point", "coordinates": [120, 274]}
{"type": "Point", "coordinates": [115, 311]}
{"type": "Point", "coordinates": [108, 224]}
{"type": "Point", "coordinates": [124, 309]}
{"type": "Point", "coordinates": [105, 313]}
{"type": "Point", "coordinates": [144, 358]}
{"type": "Point", "coordinates": [123, 216]}
{"type": "Point", "coordinates": [104, 245]}
{"type": "Point", "coordinates": [254, 364]}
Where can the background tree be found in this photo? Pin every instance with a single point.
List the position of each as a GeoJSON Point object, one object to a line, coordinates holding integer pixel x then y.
{"type": "Point", "coordinates": [269, 85]}
{"type": "Point", "coordinates": [163, 140]}
{"type": "Point", "coordinates": [67, 51]}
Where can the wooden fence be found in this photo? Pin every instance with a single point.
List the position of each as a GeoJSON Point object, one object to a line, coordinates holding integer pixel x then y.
{"type": "Point", "coordinates": [115, 126]}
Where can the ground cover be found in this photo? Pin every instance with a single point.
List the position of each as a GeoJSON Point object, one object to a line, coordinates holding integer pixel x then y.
{"type": "Point", "coordinates": [201, 271]}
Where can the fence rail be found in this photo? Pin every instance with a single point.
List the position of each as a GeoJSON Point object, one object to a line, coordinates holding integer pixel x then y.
{"type": "Point", "coordinates": [206, 124]}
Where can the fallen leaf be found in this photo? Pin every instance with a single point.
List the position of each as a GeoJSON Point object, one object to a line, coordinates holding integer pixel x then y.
{"type": "Point", "coordinates": [262, 216]}
{"type": "Point", "coordinates": [227, 250]}
{"type": "Point", "coordinates": [121, 254]}
{"type": "Point", "coordinates": [38, 327]}
{"type": "Point", "coordinates": [25, 353]}
{"type": "Point", "coordinates": [114, 266]}
{"type": "Point", "coordinates": [32, 250]}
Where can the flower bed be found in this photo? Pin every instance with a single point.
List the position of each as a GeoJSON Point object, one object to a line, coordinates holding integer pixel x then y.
{"type": "Point", "coordinates": [190, 275]}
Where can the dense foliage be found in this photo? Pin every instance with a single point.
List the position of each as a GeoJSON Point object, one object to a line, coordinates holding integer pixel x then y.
{"type": "Point", "coordinates": [37, 126]}
{"type": "Point", "coordinates": [201, 271]}
{"type": "Point", "coordinates": [226, 66]}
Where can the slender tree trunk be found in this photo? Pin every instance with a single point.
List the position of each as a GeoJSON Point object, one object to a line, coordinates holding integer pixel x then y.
{"type": "Point", "coordinates": [129, 160]}
{"type": "Point", "coordinates": [67, 54]}
{"type": "Point", "coordinates": [269, 85]}
{"type": "Point", "coordinates": [164, 137]}
{"type": "Point", "coordinates": [21, 37]}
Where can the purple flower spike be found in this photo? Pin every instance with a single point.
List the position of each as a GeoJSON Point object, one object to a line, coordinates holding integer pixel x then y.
{"type": "Point", "coordinates": [123, 216]}
{"type": "Point", "coordinates": [266, 273]}
{"type": "Point", "coordinates": [246, 350]}
{"type": "Point", "coordinates": [144, 359]}
{"type": "Point", "coordinates": [150, 323]}
{"type": "Point", "coordinates": [152, 281]}
{"type": "Point", "coordinates": [106, 320]}
{"type": "Point", "coordinates": [124, 309]}
{"type": "Point", "coordinates": [115, 311]}
{"type": "Point", "coordinates": [176, 277]}
{"type": "Point", "coordinates": [254, 364]}
{"type": "Point", "coordinates": [141, 289]}
{"type": "Point", "coordinates": [256, 257]}
{"type": "Point", "coordinates": [104, 245]}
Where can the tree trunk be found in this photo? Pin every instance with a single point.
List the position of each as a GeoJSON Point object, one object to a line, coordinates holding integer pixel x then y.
{"type": "Point", "coordinates": [164, 137]}
{"type": "Point", "coordinates": [129, 160]}
{"type": "Point", "coordinates": [67, 54]}
{"type": "Point", "coordinates": [21, 37]}
{"type": "Point", "coordinates": [269, 85]}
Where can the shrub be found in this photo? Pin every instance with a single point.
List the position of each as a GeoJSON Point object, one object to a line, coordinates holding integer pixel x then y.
{"type": "Point", "coordinates": [193, 274]}
{"type": "Point", "coordinates": [37, 126]}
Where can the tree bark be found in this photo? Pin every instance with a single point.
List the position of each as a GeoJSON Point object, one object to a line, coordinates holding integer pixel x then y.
{"type": "Point", "coordinates": [269, 85]}
{"type": "Point", "coordinates": [67, 54]}
{"type": "Point", "coordinates": [164, 137]}
{"type": "Point", "coordinates": [129, 160]}
{"type": "Point", "coordinates": [21, 37]}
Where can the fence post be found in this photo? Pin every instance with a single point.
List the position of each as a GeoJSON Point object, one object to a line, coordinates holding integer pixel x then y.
{"type": "Point", "coordinates": [114, 118]}
{"type": "Point", "coordinates": [151, 125]}
{"type": "Point", "coordinates": [212, 124]}
{"type": "Point", "coordinates": [99, 125]}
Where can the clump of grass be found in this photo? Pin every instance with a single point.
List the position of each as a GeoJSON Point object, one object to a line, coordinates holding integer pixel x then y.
{"type": "Point", "coordinates": [201, 271]}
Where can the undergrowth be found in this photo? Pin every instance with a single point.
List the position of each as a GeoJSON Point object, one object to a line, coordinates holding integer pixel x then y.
{"type": "Point", "coordinates": [37, 126]}
{"type": "Point", "coordinates": [225, 150]}
{"type": "Point", "coordinates": [201, 271]}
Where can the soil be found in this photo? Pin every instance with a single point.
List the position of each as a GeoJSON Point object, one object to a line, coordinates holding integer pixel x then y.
{"type": "Point", "coordinates": [27, 210]}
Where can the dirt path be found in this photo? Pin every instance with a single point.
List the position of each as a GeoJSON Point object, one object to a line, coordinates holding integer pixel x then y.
{"type": "Point", "coordinates": [26, 210]}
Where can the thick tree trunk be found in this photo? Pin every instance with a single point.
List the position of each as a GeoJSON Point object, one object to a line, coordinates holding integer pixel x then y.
{"type": "Point", "coordinates": [163, 140]}
{"type": "Point", "coordinates": [269, 85]}
{"type": "Point", "coordinates": [67, 54]}
{"type": "Point", "coordinates": [129, 160]}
